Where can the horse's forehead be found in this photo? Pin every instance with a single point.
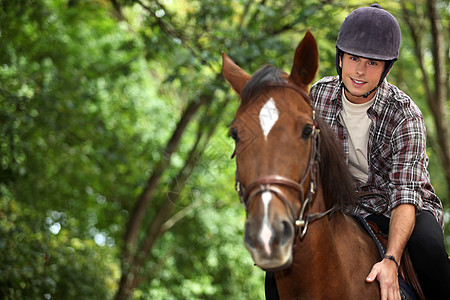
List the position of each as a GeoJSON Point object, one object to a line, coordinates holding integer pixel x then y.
{"type": "Point", "coordinates": [268, 116]}
{"type": "Point", "coordinates": [273, 107]}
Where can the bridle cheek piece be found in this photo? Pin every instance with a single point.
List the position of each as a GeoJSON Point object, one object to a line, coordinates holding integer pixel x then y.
{"type": "Point", "coordinates": [271, 183]}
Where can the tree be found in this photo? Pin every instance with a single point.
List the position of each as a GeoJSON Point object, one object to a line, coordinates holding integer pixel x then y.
{"type": "Point", "coordinates": [67, 141]}
{"type": "Point", "coordinates": [416, 17]}
{"type": "Point", "coordinates": [37, 263]}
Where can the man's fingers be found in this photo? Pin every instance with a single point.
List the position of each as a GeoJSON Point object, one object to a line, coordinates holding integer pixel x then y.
{"type": "Point", "coordinates": [389, 289]}
{"type": "Point", "coordinates": [372, 275]}
{"type": "Point", "coordinates": [394, 294]}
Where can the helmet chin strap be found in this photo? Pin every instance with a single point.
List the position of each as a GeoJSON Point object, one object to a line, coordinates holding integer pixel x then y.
{"type": "Point", "coordinates": [367, 94]}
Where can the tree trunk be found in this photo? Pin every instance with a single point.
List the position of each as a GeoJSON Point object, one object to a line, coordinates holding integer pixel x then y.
{"type": "Point", "coordinates": [437, 102]}
{"type": "Point", "coordinates": [437, 96]}
{"type": "Point", "coordinates": [131, 246]}
{"type": "Point", "coordinates": [131, 270]}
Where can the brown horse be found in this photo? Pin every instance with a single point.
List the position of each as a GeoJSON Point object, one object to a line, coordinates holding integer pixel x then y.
{"type": "Point", "coordinates": [295, 189]}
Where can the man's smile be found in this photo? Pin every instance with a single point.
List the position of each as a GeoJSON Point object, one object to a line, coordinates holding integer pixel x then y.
{"type": "Point", "coordinates": [358, 82]}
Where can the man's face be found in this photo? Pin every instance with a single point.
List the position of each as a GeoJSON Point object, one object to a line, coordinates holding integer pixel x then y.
{"type": "Point", "coordinates": [360, 76]}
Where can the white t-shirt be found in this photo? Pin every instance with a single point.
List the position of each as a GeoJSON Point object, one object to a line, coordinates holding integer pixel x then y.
{"type": "Point", "coordinates": [355, 119]}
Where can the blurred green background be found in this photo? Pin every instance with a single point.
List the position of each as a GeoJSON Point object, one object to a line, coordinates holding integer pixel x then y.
{"type": "Point", "coordinates": [115, 174]}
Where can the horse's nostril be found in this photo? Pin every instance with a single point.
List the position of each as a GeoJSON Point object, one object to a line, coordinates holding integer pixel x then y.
{"type": "Point", "coordinates": [287, 232]}
{"type": "Point", "coordinates": [248, 240]}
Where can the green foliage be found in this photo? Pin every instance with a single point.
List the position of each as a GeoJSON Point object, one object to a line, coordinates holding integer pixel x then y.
{"type": "Point", "coordinates": [72, 90]}
{"type": "Point", "coordinates": [68, 132]}
{"type": "Point", "coordinates": [38, 264]}
{"type": "Point", "coordinates": [210, 262]}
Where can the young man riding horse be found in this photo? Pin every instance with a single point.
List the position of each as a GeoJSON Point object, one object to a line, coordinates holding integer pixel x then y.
{"type": "Point", "coordinates": [382, 132]}
{"type": "Point", "coordinates": [290, 172]}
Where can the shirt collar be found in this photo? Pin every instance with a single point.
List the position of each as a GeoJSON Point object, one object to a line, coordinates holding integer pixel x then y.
{"type": "Point", "coordinates": [380, 98]}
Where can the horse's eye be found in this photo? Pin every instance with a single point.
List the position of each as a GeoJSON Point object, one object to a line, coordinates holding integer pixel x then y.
{"type": "Point", "coordinates": [307, 130]}
{"type": "Point", "coordinates": [233, 134]}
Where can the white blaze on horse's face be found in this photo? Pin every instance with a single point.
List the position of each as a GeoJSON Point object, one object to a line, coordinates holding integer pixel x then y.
{"type": "Point", "coordinates": [266, 231]}
{"type": "Point", "coordinates": [268, 116]}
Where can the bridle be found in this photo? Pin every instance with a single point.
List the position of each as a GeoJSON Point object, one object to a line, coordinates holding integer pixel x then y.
{"type": "Point", "coordinates": [271, 183]}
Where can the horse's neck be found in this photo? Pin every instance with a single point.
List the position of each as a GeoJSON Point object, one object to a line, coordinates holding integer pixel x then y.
{"type": "Point", "coordinates": [315, 260]}
{"type": "Point", "coordinates": [333, 253]}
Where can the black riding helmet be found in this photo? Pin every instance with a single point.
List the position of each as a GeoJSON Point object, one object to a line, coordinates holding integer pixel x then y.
{"type": "Point", "coordinates": [369, 32]}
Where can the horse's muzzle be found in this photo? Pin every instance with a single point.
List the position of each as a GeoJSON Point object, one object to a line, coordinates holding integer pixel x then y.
{"type": "Point", "coordinates": [270, 242]}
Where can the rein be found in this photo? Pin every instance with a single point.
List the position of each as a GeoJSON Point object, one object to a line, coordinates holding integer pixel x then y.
{"type": "Point", "coordinates": [271, 183]}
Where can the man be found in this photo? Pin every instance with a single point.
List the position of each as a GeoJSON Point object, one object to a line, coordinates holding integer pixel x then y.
{"type": "Point", "coordinates": [383, 135]}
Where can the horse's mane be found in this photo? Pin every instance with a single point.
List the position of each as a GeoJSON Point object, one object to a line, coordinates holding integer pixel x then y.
{"type": "Point", "coordinates": [259, 81]}
{"type": "Point", "coordinates": [336, 180]}
{"type": "Point", "coordinates": [335, 177]}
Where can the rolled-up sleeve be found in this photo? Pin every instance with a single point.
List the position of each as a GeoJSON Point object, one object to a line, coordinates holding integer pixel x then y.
{"type": "Point", "coordinates": [408, 175]}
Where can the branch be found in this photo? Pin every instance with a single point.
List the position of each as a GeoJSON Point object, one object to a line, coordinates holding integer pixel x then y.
{"type": "Point", "coordinates": [117, 10]}
{"type": "Point", "coordinates": [436, 98]}
{"type": "Point", "coordinates": [438, 102]}
{"type": "Point", "coordinates": [179, 216]}
{"type": "Point", "coordinates": [155, 269]}
{"type": "Point", "coordinates": [170, 30]}
{"type": "Point", "coordinates": [256, 12]}
{"type": "Point", "coordinates": [162, 217]}
{"type": "Point", "coordinates": [245, 14]}
{"type": "Point", "coordinates": [163, 220]}
{"type": "Point", "coordinates": [140, 208]}
{"type": "Point", "coordinates": [161, 23]}
{"type": "Point", "coordinates": [165, 227]}
{"type": "Point", "coordinates": [417, 47]}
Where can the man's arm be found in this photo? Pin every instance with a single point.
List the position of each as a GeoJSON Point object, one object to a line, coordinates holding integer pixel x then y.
{"type": "Point", "coordinates": [407, 176]}
{"type": "Point", "coordinates": [400, 228]}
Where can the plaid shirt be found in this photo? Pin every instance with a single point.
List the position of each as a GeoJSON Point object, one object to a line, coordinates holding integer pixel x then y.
{"type": "Point", "coordinates": [396, 150]}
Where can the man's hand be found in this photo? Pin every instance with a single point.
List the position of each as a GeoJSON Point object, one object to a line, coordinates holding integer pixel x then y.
{"type": "Point", "coordinates": [401, 225]}
{"type": "Point", "coordinates": [386, 273]}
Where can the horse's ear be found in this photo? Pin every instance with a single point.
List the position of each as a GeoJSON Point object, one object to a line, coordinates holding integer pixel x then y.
{"type": "Point", "coordinates": [233, 73]}
{"type": "Point", "coordinates": [306, 61]}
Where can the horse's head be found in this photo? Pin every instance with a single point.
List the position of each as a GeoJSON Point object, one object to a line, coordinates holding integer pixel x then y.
{"type": "Point", "coordinates": [276, 145]}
